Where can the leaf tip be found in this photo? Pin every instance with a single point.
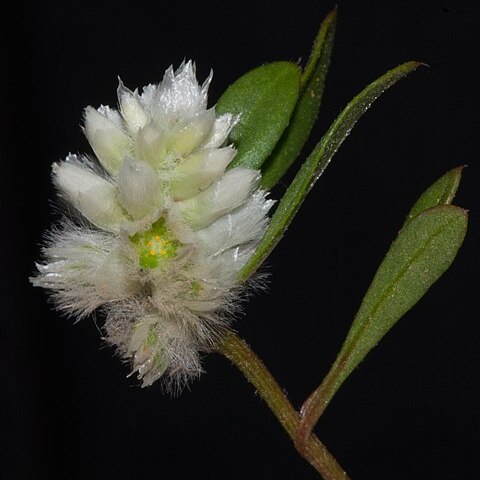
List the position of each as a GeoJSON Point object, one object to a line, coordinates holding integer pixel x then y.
{"type": "Point", "coordinates": [456, 173]}
{"type": "Point", "coordinates": [412, 65]}
{"type": "Point", "coordinates": [332, 14]}
{"type": "Point", "coordinates": [463, 211]}
{"type": "Point", "coordinates": [330, 19]}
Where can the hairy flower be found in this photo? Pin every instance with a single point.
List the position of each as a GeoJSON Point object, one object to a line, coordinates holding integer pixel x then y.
{"type": "Point", "coordinates": [163, 230]}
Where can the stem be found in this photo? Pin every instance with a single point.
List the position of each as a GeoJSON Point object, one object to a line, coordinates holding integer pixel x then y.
{"type": "Point", "coordinates": [240, 354]}
{"type": "Point", "coordinates": [318, 401]}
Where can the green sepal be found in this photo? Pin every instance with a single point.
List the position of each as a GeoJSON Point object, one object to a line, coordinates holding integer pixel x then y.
{"type": "Point", "coordinates": [264, 98]}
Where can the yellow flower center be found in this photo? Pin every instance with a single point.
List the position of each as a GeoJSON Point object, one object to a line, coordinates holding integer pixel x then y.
{"type": "Point", "coordinates": [155, 245]}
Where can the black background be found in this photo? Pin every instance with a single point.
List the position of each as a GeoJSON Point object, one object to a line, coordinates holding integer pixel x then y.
{"type": "Point", "coordinates": [411, 410]}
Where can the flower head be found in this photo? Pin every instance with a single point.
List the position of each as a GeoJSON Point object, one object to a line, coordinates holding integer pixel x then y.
{"type": "Point", "coordinates": [163, 226]}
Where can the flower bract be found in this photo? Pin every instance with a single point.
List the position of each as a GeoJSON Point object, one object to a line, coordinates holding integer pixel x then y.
{"type": "Point", "coordinates": [157, 226]}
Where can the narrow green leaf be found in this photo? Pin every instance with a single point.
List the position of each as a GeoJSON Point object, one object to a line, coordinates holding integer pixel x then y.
{"type": "Point", "coordinates": [317, 162]}
{"type": "Point", "coordinates": [264, 98]}
{"type": "Point", "coordinates": [421, 253]}
{"type": "Point", "coordinates": [306, 110]}
{"type": "Point", "coordinates": [442, 192]}
{"type": "Point", "coordinates": [318, 50]}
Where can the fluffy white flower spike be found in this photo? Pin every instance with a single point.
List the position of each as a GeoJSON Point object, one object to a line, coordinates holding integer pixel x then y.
{"type": "Point", "coordinates": [164, 226]}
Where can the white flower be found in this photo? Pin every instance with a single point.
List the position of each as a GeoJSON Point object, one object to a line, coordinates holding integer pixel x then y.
{"type": "Point", "coordinates": [164, 226]}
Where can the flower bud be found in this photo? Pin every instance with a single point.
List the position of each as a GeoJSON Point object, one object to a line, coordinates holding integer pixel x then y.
{"type": "Point", "coordinates": [138, 187]}
{"type": "Point", "coordinates": [199, 171]}
{"type": "Point", "coordinates": [185, 138]}
{"type": "Point", "coordinates": [107, 139]}
{"type": "Point", "coordinates": [220, 198]}
{"type": "Point", "coordinates": [93, 196]}
{"type": "Point", "coordinates": [131, 109]}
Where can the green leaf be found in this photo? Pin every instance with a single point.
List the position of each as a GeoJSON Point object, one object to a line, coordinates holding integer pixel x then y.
{"type": "Point", "coordinates": [421, 253]}
{"type": "Point", "coordinates": [306, 110]}
{"type": "Point", "coordinates": [317, 162]}
{"type": "Point", "coordinates": [265, 98]}
{"type": "Point", "coordinates": [442, 192]}
{"type": "Point", "coordinates": [327, 28]}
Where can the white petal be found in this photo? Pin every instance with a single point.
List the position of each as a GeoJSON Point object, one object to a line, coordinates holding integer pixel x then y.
{"type": "Point", "coordinates": [151, 144]}
{"type": "Point", "coordinates": [205, 87]}
{"type": "Point", "coordinates": [220, 198]}
{"type": "Point", "coordinates": [111, 114]}
{"type": "Point", "coordinates": [132, 110]}
{"type": "Point", "coordinates": [220, 130]}
{"type": "Point", "coordinates": [86, 268]}
{"type": "Point", "coordinates": [148, 93]}
{"type": "Point", "coordinates": [114, 278]}
{"type": "Point", "coordinates": [199, 171]}
{"type": "Point", "coordinates": [217, 276]}
{"type": "Point", "coordinates": [179, 96]}
{"type": "Point", "coordinates": [145, 347]}
{"type": "Point", "coordinates": [159, 347]}
{"type": "Point", "coordinates": [100, 205]}
{"type": "Point", "coordinates": [246, 224]}
{"type": "Point", "coordinates": [231, 261]}
{"type": "Point", "coordinates": [72, 177]}
{"type": "Point", "coordinates": [106, 137]}
{"type": "Point", "coordinates": [186, 137]}
{"type": "Point", "coordinates": [93, 196]}
{"type": "Point", "coordinates": [138, 187]}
